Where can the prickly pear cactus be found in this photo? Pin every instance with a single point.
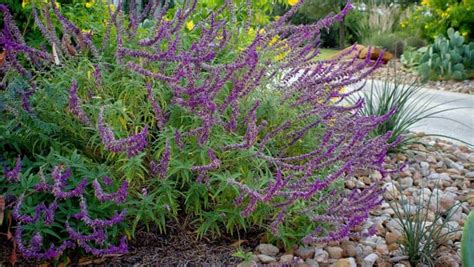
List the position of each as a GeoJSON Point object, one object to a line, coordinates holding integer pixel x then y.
{"type": "Point", "coordinates": [467, 241]}
{"type": "Point", "coordinates": [447, 58]}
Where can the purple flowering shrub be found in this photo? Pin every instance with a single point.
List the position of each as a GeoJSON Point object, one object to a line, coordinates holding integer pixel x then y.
{"type": "Point", "coordinates": [236, 126]}
{"type": "Point", "coordinates": [58, 205]}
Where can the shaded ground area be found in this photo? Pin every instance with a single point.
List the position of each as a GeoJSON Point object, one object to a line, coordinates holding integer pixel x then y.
{"type": "Point", "coordinates": [178, 247]}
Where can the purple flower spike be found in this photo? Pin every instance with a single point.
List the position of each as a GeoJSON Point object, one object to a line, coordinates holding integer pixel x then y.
{"type": "Point", "coordinates": [122, 248]}
{"type": "Point", "coordinates": [83, 215]}
{"type": "Point", "coordinates": [133, 145]}
{"type": "Point", "coordinates": [117, 197]}
{"type": "Point", "coordinates": [33, 251]}
{"type": "Point", "coordinates": [42, 186]}
{"type": "Point", "coordinates": [60, 181]}
{"type": "Point", "coordinates": [75, 105]}
{"type": "Point", "coordinates": [13, 175]}
{"type": "Point", "coordinates": [214, 164]}
{"type": "Point", "coordinates": [97, 75]}
{"type": "Point", "coordinates": [162, 169]}
{"type": "Point", "coordinates": [159, 116]}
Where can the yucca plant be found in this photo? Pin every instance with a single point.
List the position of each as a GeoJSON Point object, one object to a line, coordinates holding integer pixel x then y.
{"type": "Point", "coordinates": [422, 237]}
{"type": "Point", "coordinates": [409, 104]}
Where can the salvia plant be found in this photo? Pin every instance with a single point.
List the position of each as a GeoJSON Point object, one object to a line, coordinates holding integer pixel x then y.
{"type": "Point", "coordinates": [57, 208]}
{"type": "Point", "coordinates": [235, 126]}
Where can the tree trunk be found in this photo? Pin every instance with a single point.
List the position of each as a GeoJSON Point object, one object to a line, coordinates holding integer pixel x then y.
{"type": "Point", "coordinates": [342, 34]}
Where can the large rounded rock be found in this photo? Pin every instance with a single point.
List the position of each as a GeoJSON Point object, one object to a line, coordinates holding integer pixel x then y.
{"type": "Point", "coordinates": [334, 252]}
{"type": "Point", "coordinates": [321, 255]}
{"type": "Point", "coordinates": [346, 262]}
{"type": "Point", "coordinates": [349, 249]}
{"type": "Point", "coordinates": [305, 252]}
{"type": "Point", "coordinates": [286, 258]}
{"type": "Point", "coordinates": [266, 259]}
{"type": "Point", "coordinates": [392, 237]}
{"type": "Point", "coordinates": [370, 260]}
{"type": "Point", "coordinates": [268, 249]}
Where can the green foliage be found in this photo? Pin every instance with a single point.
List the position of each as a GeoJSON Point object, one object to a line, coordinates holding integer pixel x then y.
{"type": "Point", "coordinates": [467, 241]}
{"type": "Point", "coordinates": [411, 57]}
{"type": "Point", "coordinates": [447, 58]}
{"type": "Point", "coordinates": [434, 17]}
{"type": "Point", "coordinates": [392, 42]}
{"type": "Point", "coordinates": [422, 236]}
{"type": "Point", "coordinates": [153, 201]}
{"type": "Point", "coordinates": [246, 256]}
{"type": "Point", "coordinates": [209, 206]}
{"type": "Point", "coordinates": [37, 169]}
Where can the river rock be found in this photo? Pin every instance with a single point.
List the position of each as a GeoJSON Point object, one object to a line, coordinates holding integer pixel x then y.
{"type": "Point", "coordinates": [268, 249]}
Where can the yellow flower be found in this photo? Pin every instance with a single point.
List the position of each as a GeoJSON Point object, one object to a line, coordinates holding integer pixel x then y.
{"type": "Point", "coordinates": [293, 2]}
{"type": "Point", "coordinates": [112, 7]}
{"type": "Point", "coordinates": [281, 56]}
{"type": "Point", "coordinates": [274, 40]}
{"type": "Point", "coordinates": [58, 5]}
{"type": "Point", "coordinates": [89, 4]}
{"type": "Point", "coordinates": [24, 3]}
{"type": "Point", "coordinates": [332, 122]}
{"type": "Point", "coordinates": [190, 25]}
{"type": "Point", "coordinates": [261, 31]}
{"type": "Point", "coordinates": [276, 18]}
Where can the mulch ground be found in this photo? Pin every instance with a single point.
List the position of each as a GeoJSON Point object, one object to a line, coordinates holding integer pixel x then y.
{"type": "Point", "coordinates": [178, 247]}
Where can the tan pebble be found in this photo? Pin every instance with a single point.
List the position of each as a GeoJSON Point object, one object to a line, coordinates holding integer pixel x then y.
{"type": "Point", "coordinates": [334, 252]}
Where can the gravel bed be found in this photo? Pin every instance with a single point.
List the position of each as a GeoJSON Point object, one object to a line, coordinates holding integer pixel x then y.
{"type": "Point", "coordinates": [394, 68]}
{"type": "Point", "coordinates": [434, 166]}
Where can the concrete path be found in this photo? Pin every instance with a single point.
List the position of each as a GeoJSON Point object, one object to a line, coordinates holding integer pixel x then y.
{"type": "Point", "coordinates": [444, 123]}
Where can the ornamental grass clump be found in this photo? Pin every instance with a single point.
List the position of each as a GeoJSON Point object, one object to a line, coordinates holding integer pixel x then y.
{"type": "Point", "coordinates": [234, 126]}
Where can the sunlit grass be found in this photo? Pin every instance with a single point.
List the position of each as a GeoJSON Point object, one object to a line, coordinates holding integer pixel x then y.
{"type": "Point", "coordinates": [327, 53]}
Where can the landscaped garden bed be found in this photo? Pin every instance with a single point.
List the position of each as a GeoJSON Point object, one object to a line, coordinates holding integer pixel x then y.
{"type": "Point", "coordinates": [204, 132]}
{"type": "Point", "coordinates": [396, 69]}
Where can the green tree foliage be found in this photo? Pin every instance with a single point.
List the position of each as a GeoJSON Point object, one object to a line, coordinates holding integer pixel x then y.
{"type": "Point", "coordinates": [434, 17]}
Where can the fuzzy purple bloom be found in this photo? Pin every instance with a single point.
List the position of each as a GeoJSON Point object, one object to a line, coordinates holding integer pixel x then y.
{"type": "Point", "coordinates": [13, 175]}
{"type": "Point", "coordinates": [117, 197]}
{"type": "Point", "coordinates": [161, 169]}
{"type": "Point", "coordinates": [75, 105]}
{"type": "Point", "coordinates": [33, 251]}
{"type": "Point", "coordinates": [39, 209]}
{"type": "Point", "coordinates": [133, 144]}
{"type": "Point", "coordinates": [83, 215]}
{"type": "Point", "coordinates": [60, 182]}
{"type": "Point", "coordinates": [159, 116]}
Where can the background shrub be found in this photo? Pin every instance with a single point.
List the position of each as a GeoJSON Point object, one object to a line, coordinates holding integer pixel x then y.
{"type": "Point", "coordinates": [434, 17]}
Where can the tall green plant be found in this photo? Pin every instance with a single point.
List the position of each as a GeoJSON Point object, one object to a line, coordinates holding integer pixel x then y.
{"type": "Point", "coordinates": [409, 104]}
{"type": "Point", "coordinates": [423, 236]}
